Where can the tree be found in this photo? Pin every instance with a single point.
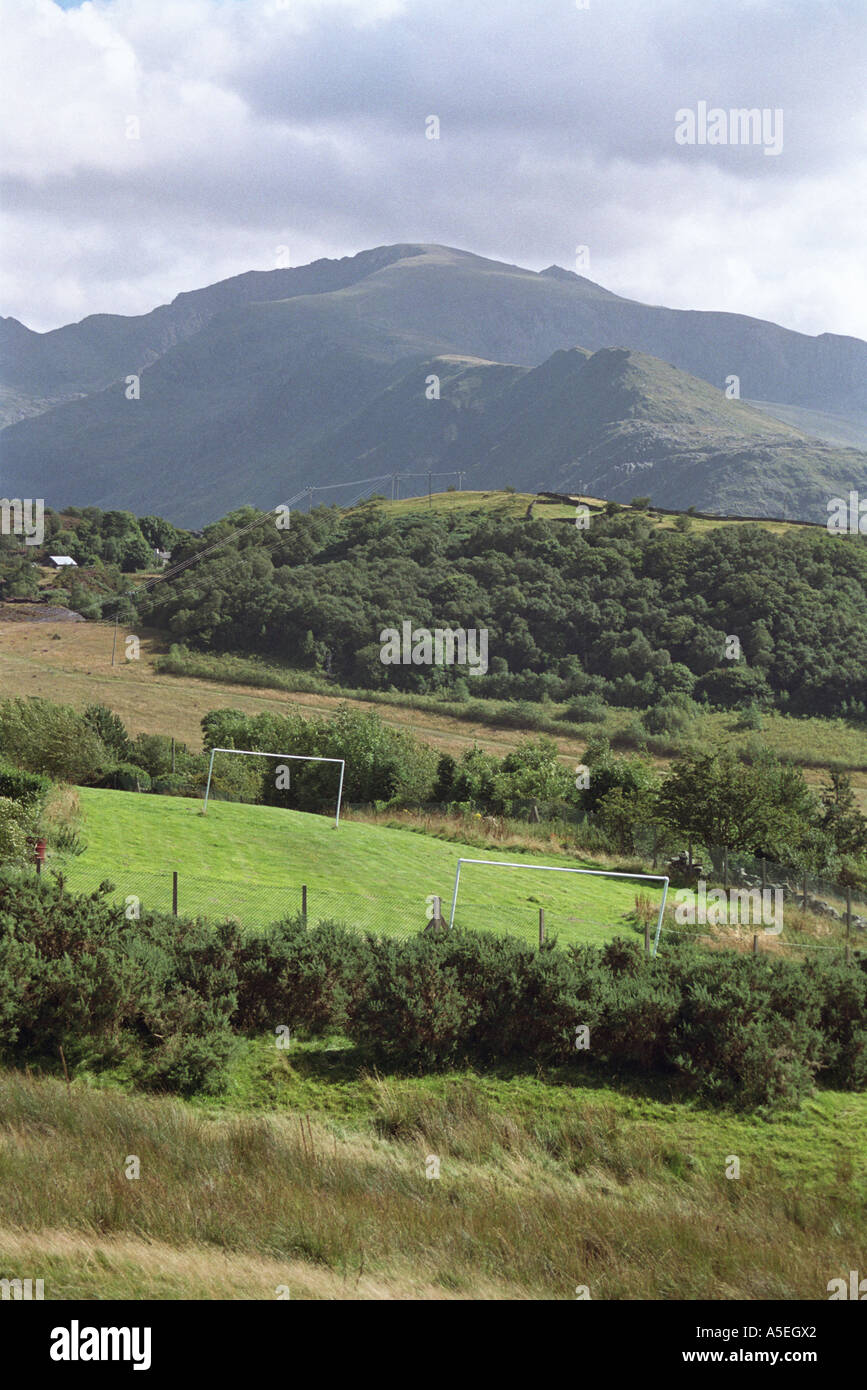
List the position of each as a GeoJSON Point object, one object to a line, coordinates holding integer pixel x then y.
{"type": "Point", "coordinates": [158, 532]}
{"type": "Point", "coordinates": [841, 819]}
{"type": "Point", "coordinates": [532, 772]}
{"type": "Point", "coordinates": [633, 774]}
{"type": "Point", "coordinates": [723, 803]}
{"type": "Point", "coordinates": [623, 811]}
{"type": "Point", "coordinates": [111, 729]}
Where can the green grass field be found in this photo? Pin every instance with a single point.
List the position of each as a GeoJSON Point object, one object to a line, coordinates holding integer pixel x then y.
{"type": "Point", "coordinates": [311, 1176]}
{"type": "Point", "coordinates": [250, 862]}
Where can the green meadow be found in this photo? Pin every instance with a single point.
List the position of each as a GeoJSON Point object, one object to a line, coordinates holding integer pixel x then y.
{"type": "Point", "coordinates": [250, 862]}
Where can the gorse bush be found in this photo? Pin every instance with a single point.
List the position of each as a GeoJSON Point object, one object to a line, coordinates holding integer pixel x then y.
{"type": "Point", "coordinates": [290, 976]}
{"type": "Point", "coordinates": [153, 994]}
{"type": "Point", "coordinates": [166, 1000]}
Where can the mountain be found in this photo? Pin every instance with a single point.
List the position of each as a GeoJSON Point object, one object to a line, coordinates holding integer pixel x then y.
{"type": "Point", "coordinates": [262, 384]}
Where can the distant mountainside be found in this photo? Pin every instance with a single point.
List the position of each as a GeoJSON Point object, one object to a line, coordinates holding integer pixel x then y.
{"type": "Point", "coordinates": [256, 386]}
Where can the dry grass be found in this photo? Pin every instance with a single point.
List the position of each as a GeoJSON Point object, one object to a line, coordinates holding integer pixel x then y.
{"type": "Point", "coordinates": [76, 669]}
{"type": "Point", "coordinates": [525, 1205]}
{"type": "Point", "coordinates": [71, 663]}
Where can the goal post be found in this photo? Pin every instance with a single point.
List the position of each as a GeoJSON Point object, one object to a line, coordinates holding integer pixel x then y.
{"type": "Point", "coordinates": [564, 869]}
{"type": "Point", "coordinates": [289, 757]}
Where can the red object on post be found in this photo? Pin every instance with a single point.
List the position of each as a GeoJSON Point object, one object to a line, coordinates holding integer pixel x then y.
{"type": "Point", "coordinates": [39, 854]}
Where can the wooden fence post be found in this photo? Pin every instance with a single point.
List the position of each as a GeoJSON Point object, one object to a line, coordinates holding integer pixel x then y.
{"type": "Point", "coordinates": [175, 892]}
{"type": "Point", "coordinates": [647, 939]}
{"type": "Point", "coordinates": [848, 921]}
{"type": "Point", "coordinates": [755, 944]}
{"type": "Point", "coordinates": [304, 902]}
{"type": "Point", "coordinates": [541, 927]}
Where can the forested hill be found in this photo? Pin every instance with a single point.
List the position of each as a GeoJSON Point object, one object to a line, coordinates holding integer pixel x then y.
{"type": "Point", "coordinates": [621, 611]}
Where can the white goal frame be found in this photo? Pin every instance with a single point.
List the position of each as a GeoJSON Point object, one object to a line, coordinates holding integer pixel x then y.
{"type": "Point", "coordinates": [290, 757]}
{"type": "Point", "coordinates": [563, 869]}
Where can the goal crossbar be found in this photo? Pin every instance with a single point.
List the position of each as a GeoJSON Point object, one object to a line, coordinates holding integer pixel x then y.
{"type": "Point", "coordinates": [291, 757]}
{"type": "Point", "coordinates": [564, 869]}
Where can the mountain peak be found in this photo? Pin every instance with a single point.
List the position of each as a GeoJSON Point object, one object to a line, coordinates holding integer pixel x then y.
{"type": "Point", "coordinates": [556, 272]}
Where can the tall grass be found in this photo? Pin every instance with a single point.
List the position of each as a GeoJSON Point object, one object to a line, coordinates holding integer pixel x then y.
{"type": "Point", "coordinates": [527, 1205]}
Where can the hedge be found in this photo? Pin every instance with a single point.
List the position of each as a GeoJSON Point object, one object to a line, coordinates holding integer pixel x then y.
{"type": "Point", "coordinates": [169, 999]}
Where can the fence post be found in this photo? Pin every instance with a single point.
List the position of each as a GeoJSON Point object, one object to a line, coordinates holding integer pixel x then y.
{"type": "Point", "coordinates": [304, 902]}
{"type": "Point", "coordinates": [175, 892]}
{"type": "Point", "coordinates": [848, 920]}
{"type": "Point", "coordinates": [755, 944]}
{"type": "Point", "coordinates": [804, 908]}
{"type": "Point", "coordinates": [647, 939]}
{"type": "Point", "coordinates": [541, 927]}
{"type": "Point", "coordinates": [764, 875]}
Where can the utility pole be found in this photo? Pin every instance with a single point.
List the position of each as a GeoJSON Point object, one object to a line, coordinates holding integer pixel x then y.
{"type": "Point", "coordinates": [429, 493]}
{"type": "Point", "coordinates": [393, 480]}
{"type": "Point", "coordinates": [460, 480]}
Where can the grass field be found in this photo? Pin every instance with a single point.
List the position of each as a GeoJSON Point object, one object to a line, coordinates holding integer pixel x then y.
{"type": "Point", "coordinates": [71, 663]}
{"type": "Point", "coordinates": [250, 862]}
{"type": "Point", "coordinates": [515, 504]}
{"type": "Point", "coordinates": [311, 1179]}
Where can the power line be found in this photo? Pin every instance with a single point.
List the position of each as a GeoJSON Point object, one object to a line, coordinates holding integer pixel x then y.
{"type": "Point", "coordinates": [174, 570]}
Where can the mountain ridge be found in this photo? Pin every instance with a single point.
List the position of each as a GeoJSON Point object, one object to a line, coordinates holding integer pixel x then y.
{"type": "Point", "coordinates": [328, 381]}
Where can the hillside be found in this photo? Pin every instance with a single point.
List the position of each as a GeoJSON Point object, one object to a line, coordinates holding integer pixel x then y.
{"type": "Point", "coordinates": [250, 862]}
{"type": "Point", "coordinates": [640, 1177]}
{"type": "Point", "coordinates": [262, 385]}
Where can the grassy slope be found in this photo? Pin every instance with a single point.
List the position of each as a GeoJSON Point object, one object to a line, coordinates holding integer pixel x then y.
{"type": "Point", "coordinates": [250, 861]}
{"type": "Point", "coordinates": [542, 1188]}
{"type": "Point", "coordinates": [71, 663]}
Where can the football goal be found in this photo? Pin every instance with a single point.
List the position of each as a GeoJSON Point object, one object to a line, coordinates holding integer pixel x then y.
{"type": "Point", "coordinates": [563, 869]}
{"type": "Point", "coordinates": [287, 757]}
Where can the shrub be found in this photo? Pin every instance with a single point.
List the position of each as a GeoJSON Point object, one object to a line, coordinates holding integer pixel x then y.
{"type": "Point", "coordinates": [52, 739]}
{"type": "Point", "coordinates": [125, 777]}
{"type": "Point", "coordinates": [154, 993]}
{"type": "Point", "coordinates": [15, 825]}
{"type": "Point", "coordinates": [300, 978]}
{"type": "Point", "coordinates": [27, 788]}
{"type": "Point", "coordinates": [667, 717]}
{"type": "Point", "coordinates": [166, 998]}
{"type": "Point", "coordinates": [584, 709]}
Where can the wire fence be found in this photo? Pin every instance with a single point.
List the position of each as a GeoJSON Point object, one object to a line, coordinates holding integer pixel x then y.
{"type": "Point", "coordinates": [256, 905]}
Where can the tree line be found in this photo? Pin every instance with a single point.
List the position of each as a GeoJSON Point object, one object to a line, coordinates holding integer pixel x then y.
{"type": "Point", "coordinates": [622, 612]}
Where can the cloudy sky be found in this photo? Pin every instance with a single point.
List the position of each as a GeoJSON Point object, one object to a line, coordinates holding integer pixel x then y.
{"type": "Point", "coordinates": [153, 146]}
